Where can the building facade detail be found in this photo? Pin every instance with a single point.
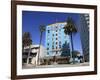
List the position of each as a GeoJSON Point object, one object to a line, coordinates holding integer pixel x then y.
{"type": "Point", "coordinates": [83, 29]}
{"type": "Point", "coordinates": [56, 39]}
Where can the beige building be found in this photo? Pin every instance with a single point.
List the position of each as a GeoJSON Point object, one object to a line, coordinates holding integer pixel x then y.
{"type": "Point", "coordinates": [32, 56]}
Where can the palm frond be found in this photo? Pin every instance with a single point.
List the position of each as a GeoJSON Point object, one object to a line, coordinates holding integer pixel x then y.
{"type": "Point", "coordinates": [70, 26]}
{"type": "Point", "coordinates": [42, 28]}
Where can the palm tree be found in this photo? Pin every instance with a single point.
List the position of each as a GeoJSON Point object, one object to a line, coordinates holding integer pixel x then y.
{"type": "Point", "coordinates": [69, 29]}
{"type": "Point", "coordinates": [27, 41]}
{"type": "Point", "coordinates": [42, 29]}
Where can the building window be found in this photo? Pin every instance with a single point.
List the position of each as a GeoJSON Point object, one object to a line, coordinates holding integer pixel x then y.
{"type": "Point", "coordinates": [47, 48]}
{"type": "Point", "coordinates": [53, 47]}
{"type": "Point", "coordinates": [56, 43]}
{"type": "Point", "coordinates": [47, 53]}
{"type": "Point", "coordinates": [26, 50]}
{"type": "Point", "coordinates": [30, 60]}
{"type": "Point", "coordinates": [52, 34]}
{"type": "Point", "coordinates": [56, 30]}
{"type": "Point", "coordinates": [56, 34]}
{"type": "Point", "coordinates": [56, 38]}
{"type": "Point", "coordinates": [59, 42]}
{"type": "Point", "coordinates": [59, 46]}
{"type": "Point", "coordinates": [24, 60]}
{"type": "Point", "coordinates": [56, 47]}
{"type": "Point", "coordinates": [56, 52]}
{"type": "Point", "coordinates": [25, 53]}
{"type": "Point", "coordinates": [48, 44]}
{"type": "Point", "coordinates": [48, 31]}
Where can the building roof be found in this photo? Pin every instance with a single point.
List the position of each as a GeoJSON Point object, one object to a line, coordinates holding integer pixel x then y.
{"type": "Point", "coordinates": [56, 23]}
{"type": "Point", "coordinates": [33, 46]}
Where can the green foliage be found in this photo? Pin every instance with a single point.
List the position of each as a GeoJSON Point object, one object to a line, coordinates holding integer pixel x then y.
{"type": "Point", "coordinates": [65, 49]}
{"type": "Point", "coordinates": [69, 28]}
{"type": "Point", "coordinates": [26, 39]}
{"type": "Point", "coordinates": [75, 53]}
{"type": "Point", "coordinates": [42, 28]}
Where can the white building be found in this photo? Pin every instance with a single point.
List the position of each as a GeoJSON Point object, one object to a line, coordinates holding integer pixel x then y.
{"type": "Point", "coordinates": [33, 55]}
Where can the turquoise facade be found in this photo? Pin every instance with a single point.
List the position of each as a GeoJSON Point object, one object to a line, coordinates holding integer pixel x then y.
{"type": "Point", "coordinates": [57, 42]}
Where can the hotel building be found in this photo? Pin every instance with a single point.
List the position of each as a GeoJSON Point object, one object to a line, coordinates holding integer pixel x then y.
{"type": "Point", "coordinates": [56, 40]}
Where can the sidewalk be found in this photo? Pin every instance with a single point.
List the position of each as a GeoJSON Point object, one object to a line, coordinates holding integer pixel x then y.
{"type": "Point", "coordinates": [30, 66]}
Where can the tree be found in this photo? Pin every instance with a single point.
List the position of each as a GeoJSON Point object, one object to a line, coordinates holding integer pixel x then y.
{"type": "Point", "coordinates": [27, 41]}
{"type": "Point", "coordinates": [76, 53]}
{"type": "Point", "coordinates": [42, 29]}
{"type": "Point", "coordinates": [70, 29]}
{"type": "Point", "coordinates": [65, 49]}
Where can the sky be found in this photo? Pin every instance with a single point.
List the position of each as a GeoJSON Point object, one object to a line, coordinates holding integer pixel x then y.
{"type": "Point", "coordinates": [31, 21]}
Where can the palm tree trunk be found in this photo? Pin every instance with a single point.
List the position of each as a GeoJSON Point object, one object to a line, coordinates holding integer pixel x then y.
{"type": "Point", "coordinates": [29, 54]}
{"type": "Point", "coordinates": [39, 48]}
{"type": "Point", "coordinates": [72, 46]}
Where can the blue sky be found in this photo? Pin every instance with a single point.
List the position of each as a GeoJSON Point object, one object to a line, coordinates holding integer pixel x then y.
{"type": "Point", "coordinates": [31, 21]}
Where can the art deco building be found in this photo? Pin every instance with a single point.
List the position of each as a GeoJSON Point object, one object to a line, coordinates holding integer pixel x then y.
{"type": "Point", "coordinates": [56, 40]}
